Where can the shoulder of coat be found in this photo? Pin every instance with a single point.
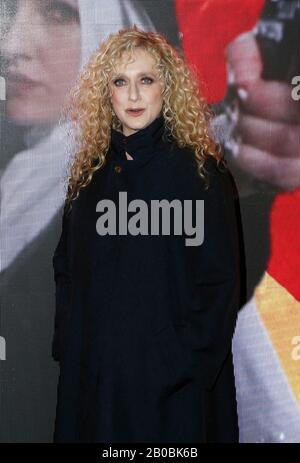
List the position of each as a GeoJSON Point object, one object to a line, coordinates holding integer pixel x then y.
{"type": "Point", "coordinates": [221, 180]}
{"type": "Point", "coordinates": [185, 171]}
{"type": "Point", "coordinates": [186, 164]}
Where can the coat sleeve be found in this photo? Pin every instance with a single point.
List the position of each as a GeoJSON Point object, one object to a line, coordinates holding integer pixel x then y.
{"type": "Point", "coordinates": [215, 279]}
{"type": "Point", "coordinates": [62, 278]}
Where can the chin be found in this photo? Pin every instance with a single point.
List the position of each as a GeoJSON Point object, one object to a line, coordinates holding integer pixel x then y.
{"type": "Point", "coordinates": [29, 114]}
{"type": "Point", "coordinates": [135, 125]}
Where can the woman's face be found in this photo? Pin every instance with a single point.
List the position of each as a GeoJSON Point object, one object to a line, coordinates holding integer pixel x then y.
{"type": "Point", "coordinates": [42, 50]}
{"type": "Point", "coordinates": [136, 85]}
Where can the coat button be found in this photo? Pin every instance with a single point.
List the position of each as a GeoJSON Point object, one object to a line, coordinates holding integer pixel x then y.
{"type": "Point", "coordinates": [118, 169]}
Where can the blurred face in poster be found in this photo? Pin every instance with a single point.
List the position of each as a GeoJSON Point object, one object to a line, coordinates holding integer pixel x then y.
{"type": "Point", "coordinates": [41, 52]}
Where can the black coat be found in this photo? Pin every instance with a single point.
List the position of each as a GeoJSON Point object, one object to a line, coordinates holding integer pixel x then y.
{"type": "Point", "coordinates": [144, 323]}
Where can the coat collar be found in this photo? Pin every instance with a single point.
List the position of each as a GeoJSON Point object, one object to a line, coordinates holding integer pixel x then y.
{"type": "Point", "coordinates": [141, 145]}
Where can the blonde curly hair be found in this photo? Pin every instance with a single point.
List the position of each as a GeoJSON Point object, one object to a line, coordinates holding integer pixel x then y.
{"type": "Point", "coordinates": [185, 111]}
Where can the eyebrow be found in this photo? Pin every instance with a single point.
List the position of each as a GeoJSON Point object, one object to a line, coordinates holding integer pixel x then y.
{"type": "Point", "coordinates": [71, 3]}
{"type": "Point", "coordinates": [138, 75]}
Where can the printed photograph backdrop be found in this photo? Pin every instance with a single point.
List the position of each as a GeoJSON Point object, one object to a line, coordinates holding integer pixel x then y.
{"type": "Point", "coordinates": [247, 57]}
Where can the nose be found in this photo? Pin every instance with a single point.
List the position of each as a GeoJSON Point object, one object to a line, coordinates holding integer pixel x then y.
{"type": "Point", "coordinates": [23, 34]}
{"type": "Point", "coordinates": [133, 92]}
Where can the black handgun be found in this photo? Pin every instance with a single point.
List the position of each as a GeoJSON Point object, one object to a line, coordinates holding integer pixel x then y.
{"type": "Point", "coordinates": [278, 36]}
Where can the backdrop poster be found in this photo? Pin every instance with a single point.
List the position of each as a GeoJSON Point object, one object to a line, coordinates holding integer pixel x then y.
{"type": "Point", "coordinates": [246, 55]}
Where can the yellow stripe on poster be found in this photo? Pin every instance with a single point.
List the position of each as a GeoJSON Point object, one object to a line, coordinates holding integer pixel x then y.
{"type": "Point", "coordinates": [280, 313]}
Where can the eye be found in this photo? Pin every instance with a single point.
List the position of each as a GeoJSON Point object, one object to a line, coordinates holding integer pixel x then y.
{"type": "Point", "coordinates": [59, 12]}
{"type": "Point", "coordinates": [148, 80]}
{"type": "Point", "coordinates": [117, 81]}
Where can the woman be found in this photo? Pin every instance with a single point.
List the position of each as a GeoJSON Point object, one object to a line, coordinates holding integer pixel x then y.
{"type": "Point", "coordinates": [144, 322]}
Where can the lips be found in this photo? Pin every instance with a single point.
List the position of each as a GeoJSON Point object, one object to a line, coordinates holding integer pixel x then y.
{"type": "Point", "coordinates": [19, 77]}
{"type": "Point", "coordinates": [18, 83]}
{"type": "Point", "coordinates": [135, 111]}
